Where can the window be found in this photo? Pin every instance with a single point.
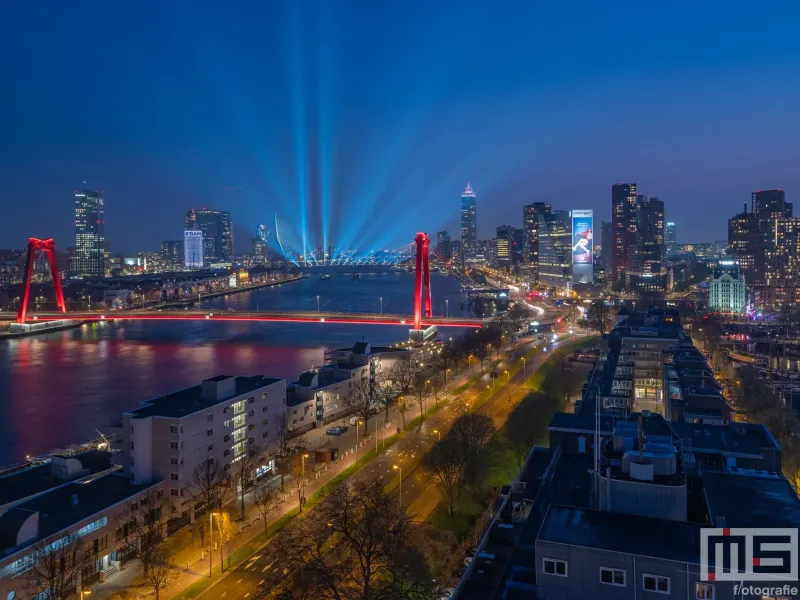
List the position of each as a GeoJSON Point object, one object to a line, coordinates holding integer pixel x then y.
{"type": "Point", "coordinates": [173, 477]}
{"type": "Point", "coordinates": [250, 400]}
{"type": "Point", "coordinates": [173, 460]}
{"type": "Point", "coordinates": [703, 591]}
{"type": "Point", "coordinates": [655, 583]}
{"type": "Point", "coordinates": [174, 492]}
{"type": "Point", "coordinates": [173, 429]}
{"type": "Point", "coordinates": [251, 413]}
{"type": "Point", "coordinates": [552, 566]}
{"type": "Point", "coordinates": [264, 408]}
{"type": "Point", "coordinates": [209, 417]}
{"type": "Point", "coordinates": [612, 576]}
{"type": "Point", "coordinates": [209, 432]}
{"type": "Point", "coordinates": [265, 434]}
{"type": "Point", "coordinates": [173, 445]}
{"type": "Point", "coordinates": [227, 452]}
{"type": "Point", "coordinates": [101, 543]}
{"type": "Point", "coordinates": [210, 447]}
{"type": "Point", "coordinates": [226, 439]}
{"type": "Point", "coordinates": [265, 422]}
{"type": "Point", "coordinates": [251, 426]}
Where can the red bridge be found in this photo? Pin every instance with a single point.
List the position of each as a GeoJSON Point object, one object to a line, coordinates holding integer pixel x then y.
{"type": "Point", "coordinates": [417, 321]}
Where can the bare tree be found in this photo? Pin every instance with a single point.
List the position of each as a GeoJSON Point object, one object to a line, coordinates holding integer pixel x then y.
{"type": "Point", "coordinates": [298, 471]}
{"type": "Point", "coordinates": [438, 384]}
{"type": "Point", "coordinates": [360, 400]}
{"type": "Point", "coordinates": [419, 391]}
{"type": "Point", "coordinates": [248, 463]}
{"type": "Point", "coordinates": [600, 317]}
{"type": "Point", "coordinates": [402, 375]}
{"type": "Point", "coordinates": [472, 431]}
{"type": "Point", "coordinates": [57, 566]}
{"type": "Point", "coordinates": [446, 358]}
{"type": "Point", "coordinates": [285, 445]}
{"type": "Point", "coordinates": [141, 522]}
{"type": "Point", "coordinates": [447, 464]}
{"type": "Point", "coordinates": [225, 531]}
{"type": "Point", "coordinates": [160, 572]}
{"type": "Point", "coordinates": [356, 545]}
{"type": "Point", "coordinates": [212, 486]}
{"type": "Point", "coordinates": [266, 500]}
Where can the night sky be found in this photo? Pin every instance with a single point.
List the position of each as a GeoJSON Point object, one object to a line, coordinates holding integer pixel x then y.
{"type": "Point", "coordinates": [365, 119]}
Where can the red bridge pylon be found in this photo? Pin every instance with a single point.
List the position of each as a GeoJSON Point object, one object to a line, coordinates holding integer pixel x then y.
{"type": "Point", "coordinates": [422, 278]}
{"type": "Point", "coordinates": [47, 246]}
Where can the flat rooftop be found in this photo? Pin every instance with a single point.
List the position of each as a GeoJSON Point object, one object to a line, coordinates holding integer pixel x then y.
{"type": "Point", "coordinates": [739, 438]}
{"type": "Point", "coordinates": [57, 511]}
{"type": "Point", "coordinates": [36, 479]}
{"type": "Point", "coordinates": [191, 400]}
{"type": "Point", "coordinates": [751, 501]}
{"type": "Point", "coordinates": [627, 534]}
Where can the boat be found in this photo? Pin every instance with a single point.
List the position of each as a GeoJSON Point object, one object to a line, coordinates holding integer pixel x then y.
{"type": "Point", "coordinates": [356, 276]}
{"type": "Point", "coordinates": [325, 276]}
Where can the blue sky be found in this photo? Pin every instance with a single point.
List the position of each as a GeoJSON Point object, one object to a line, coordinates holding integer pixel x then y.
{"type": "Point", "coordinates": [364, 120]}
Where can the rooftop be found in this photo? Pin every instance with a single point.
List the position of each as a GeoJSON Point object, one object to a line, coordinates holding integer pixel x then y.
{"type": "Point", "coordinates": [750, 500]}
{"type": "Point", "coordinates": [57, 511]}
{"type": "Point", "coordinates": [627, 534]}
{"type": "Point", "coordinates": [740, 438]}
{"type": "Point", "coordinates": [191, 400]}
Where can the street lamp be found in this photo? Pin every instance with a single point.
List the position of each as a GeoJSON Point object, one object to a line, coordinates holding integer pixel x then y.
{"type": "Point", "coordinates": [85, 592]}
{"type": "Point", "coordinates": [508, 377]}
{"type": "Point", "coordinates": [524, 369]}
{"type": "Point", "coordinates": [357, 424]}
{"type": "Point", "coordinates": [447, 308]}
{"type": "Point", "coordinates": [317, 302]}
{"type": "Point", "coordinates": [381, 304]}
{"type": "Point", "coordinates": [210, 541]}
{"type": "Point", "coordinates": [303, 464]}
{"type": "Point", "coordinates": [400, 469]}
{"type": "Point", "coordinates": [439, 433]}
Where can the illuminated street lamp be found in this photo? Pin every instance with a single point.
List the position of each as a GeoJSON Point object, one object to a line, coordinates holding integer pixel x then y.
{"type": "Point", "coordinates": [439, 433]}
{"type": "Point", "coordinates": [400, 470]}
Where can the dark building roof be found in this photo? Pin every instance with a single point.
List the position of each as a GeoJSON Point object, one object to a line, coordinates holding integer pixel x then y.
{"type": "Point", "coordinates": [623, 533]}
{"type": "Point", "coordinates": [191, 400]}
{"type": "Point", "coordinates": [34, 480]}
{"type": "Point", "coordinates": [750, 501]}
{"type": "Point", "coordinates": [741, 438]}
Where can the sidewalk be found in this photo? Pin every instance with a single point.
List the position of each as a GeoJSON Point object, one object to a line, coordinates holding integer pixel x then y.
{"type": "Point", "coordinates": [189, 557]}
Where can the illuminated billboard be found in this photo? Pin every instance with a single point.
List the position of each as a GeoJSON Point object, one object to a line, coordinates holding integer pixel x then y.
{"type": "Point", "coordinates": [582, 245]}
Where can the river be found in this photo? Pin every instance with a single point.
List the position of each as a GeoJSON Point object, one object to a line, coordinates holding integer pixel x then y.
{"type": "Point", "coordinates": [57, 389]}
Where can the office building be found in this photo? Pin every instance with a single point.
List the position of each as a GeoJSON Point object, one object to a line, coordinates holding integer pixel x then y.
{"type": "Point", "coordinates": [261, 233]}
{"type": "Point", "coordinates": [172, 253]}
{"type": "Point", "coordinates": [193, 249]}
{"type": "Point", "coordinates": [606, 247]}
{"type": "Point", "coordinates": [518, 247]}
{"type": "Point", "coordinates": [670, 238]}
{"type": "Point", "coordinates": [217, 234]}
{"type": "Point", "coordinates": [469, 222]}
{"type": "Point", "coordinates": [615, 507]}
{"type": "Point", "coordinates": [647, 272]}
{"type": "Point", "coordinates": [582, 246]}
{"type": "Point", "coordinates": [746, 245]}
{"type": "Point", "coordinates": [530, 224]}
{"type": "Point", "coordinates": [444, 245]}
{"type": "Point", "coordinates": [769, 204]}
{"type": "Point", "coordinates": [503, 246]}
{"type": "Point", "coordinates": [555, 251]}
{"type": "Point", "coordinates": [90, 238]}
{"type": "Point", "coordinates": [782, 268]}
{"type": "Point", "coordinates": [726, 292]}
{"type": "Point", "coordinates": [218, 419]}
{"type": "Point", "coordinates": [623, 225]}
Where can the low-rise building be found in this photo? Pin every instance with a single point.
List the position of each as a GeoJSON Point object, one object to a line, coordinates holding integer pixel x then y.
{"type": "Point", "coordinates": [219, 419]}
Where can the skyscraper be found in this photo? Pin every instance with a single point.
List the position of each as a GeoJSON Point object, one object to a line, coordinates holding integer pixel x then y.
{"type": "Point", "coordinates": [217, 233]}
{"type": "Point", "coordinates": [623, 225]}
{"type": "Point", "coordinates": [172, 252]}
{"type": "Point", "coordinates": [783, 254]}
{"type": "Point", "coordinates": [670, 238]}
{"type": "Point", "coordinates": [530, 223]}
{"type": "Point", "coordinates": [261, 233]}
{"type": "Point", "coordinates": [518, 247]}
{"type": "Point", "coordinates": [746, 243]}
{"type": "Point", "coordinates": [606, 246]}
{"type": "Point", "coordinates": [555, 250]}
{"type": "Point", "coordinates": [469, 222]}
{"type": "Point", "coordinates": [503, 245]}
{"type": "Point", "coordinates": [769, 204]}
{"type": "Point", "coordinates": [89, 234]}
{"type": "Point", "coordinates": [443, 245]}
{"type": "Point", "coordinates": [260, 245]}
{"type": "Point", "coordinates": [647, 265]}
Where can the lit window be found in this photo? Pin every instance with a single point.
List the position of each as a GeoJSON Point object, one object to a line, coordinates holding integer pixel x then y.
{"type": "Point", "coordinates": [704, 591]}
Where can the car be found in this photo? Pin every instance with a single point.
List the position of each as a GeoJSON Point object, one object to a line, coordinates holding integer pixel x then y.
{"type": "Point", "coordinates": [335, 431]}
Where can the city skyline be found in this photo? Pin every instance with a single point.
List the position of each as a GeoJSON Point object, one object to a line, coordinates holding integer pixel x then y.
{"type": "Point", "coordinates": [327, 135]}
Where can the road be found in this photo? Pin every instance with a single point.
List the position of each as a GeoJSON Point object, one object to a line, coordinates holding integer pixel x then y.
{"type": "Point", "coordinates": [265, 568]}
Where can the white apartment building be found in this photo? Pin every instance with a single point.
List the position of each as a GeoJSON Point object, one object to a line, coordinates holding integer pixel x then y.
{"type": "Point", "coordinates": [726, 292]}
{"type": "Point", "coordinates": [168, 436]}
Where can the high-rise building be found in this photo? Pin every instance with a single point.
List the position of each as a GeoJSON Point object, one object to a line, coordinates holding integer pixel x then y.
{"type": "Point", "coordinates": [726, 292]}
{"type": "Point", "coordinates": [217, 233]}
{"type": "Point", "coordinates": [261, 233]}
{"type": "Point", "coordinates": [582, 246]}
{"type": "Point", "coordinates": [172, 253]}
{"type": "Point", "coordinates": [670, 238]}
{"type": "Point", "coordinates": [469, 222]}
{"type": "Point", "coordinates": [783, 254]}
{"type": "Point", "coordinates": [647, 272]}
{"type": "Point", "coordinates": [530, 224]}
{"type": "Point", "coordinates": [503, 244]}
{"type": "Point", "coordinates": [443, 245]}
{"type": "Point", "coordinates": [90, 238]}
{"type": "Point", "coordinates": [555, 250]}
{"type": "Point", "coordinates": [623, 225]}
{"type": "Point", "coordinates": [193, 249]}
{"type": "Point", "coordinates": [518, 247]}
{"type": "Point", "coordinates": [746, 244]}
{"type": "Point", "coordinates": [606, 246]}
{"type": "Point", "coordinates": [769, 204]}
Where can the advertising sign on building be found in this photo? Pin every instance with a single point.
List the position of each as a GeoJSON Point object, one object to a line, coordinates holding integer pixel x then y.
{"type": "Point", "coordinates": [193, 249]}
{"type": "Point", "coordinates": [582, 246]}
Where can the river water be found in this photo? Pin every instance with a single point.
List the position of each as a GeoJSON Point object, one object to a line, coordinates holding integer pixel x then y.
{"type": "Point", "coordinates": [58, 389]}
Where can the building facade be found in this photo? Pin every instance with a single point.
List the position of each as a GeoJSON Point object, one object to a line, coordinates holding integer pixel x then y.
{"type": "Point", "coordinates": [172, 253]}
{"type": "Point", "coordinates": [746, 245]}
{"type": "Point", "coordinates": [90, 237]}
{"type": "Point", "coordinates": [504, 243]}
{"type": "Point", "coordinates": [670, 238]}
{"type": "Point", "coordinates": [647, 270]}
{"type": "Point", "coordinates": [217, 234]}
{"type": "Point", "coordinates": [193, 249]}
{"type": "Point", "coordinates": [782, 268]}
{"type": "Point", "coordinates": [444, 245]}
{"type": "Point", "coordinates": [530, 224]}
{"type": "Point", "coordinates": [623, 225]}
{"type": "Point", "coordinates": [770, 204]}
{"type": "Point", "coordinates": [726, 292]}
{"type": "Point", "coordinates": [555, 251]}
{"type": "Point", "coordinates": [469, 222]}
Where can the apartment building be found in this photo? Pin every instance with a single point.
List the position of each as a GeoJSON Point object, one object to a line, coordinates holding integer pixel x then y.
{"type": "Point", "coordinates": [167, 437]}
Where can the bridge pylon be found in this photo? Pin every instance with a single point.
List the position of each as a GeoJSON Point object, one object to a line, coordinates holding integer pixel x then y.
{"type": "Point", "coordinates": [35, 246]}
{"type": "Point", "coordinates": [422, 280]}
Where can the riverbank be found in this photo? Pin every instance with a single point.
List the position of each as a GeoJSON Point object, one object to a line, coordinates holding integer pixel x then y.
{"type": "Point", "coordinates": [6, 334]}
{"type": "Point", "coordinates": [232, 291]}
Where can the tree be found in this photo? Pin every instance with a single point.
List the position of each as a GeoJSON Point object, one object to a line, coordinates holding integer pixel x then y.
{"type": "Point", "coordinates": [57, 566]}
{"type": "Point", "coordinates": [248, 463]}
{"type": "Point", "coordinates": [266, 500]}
{"type": "Point", "coordinates": [472, 432]}
{"type": "Point", "coordinates": [600, 317]}
{"type": "Point", "coordinates": [519, 430]}
{"type": "Point", "coordinates": [402, 374]}
{"type": "Point", "coordinates": [356, 545]}
{"type": "Point", "coordinates": [142, 523]}
{"type": "Point", "coordinates": [211, 484]}
{"type": "Point", "coordinates": [359, 399]}
{"type": "Point", "coordinates": [447, 464]}
{"type": "Point", "coordinates": [419, 391]}
{"type": "Point", "coordinates": [437, 386]}
{"type": "Point", "coordinates": [285, 445]}
{"type": "Point", "coordinates": [446, 357]}
{"type": "Point", "coordinates": [298, 470]}
{"type": "Point", "coordinates": [159, 573]}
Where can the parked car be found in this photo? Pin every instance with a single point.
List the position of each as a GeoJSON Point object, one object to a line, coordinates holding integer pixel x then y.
{"type": "Point", "coordinates": [334, 431]}
{"type": "Point", "coordinates": [354, 420]}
